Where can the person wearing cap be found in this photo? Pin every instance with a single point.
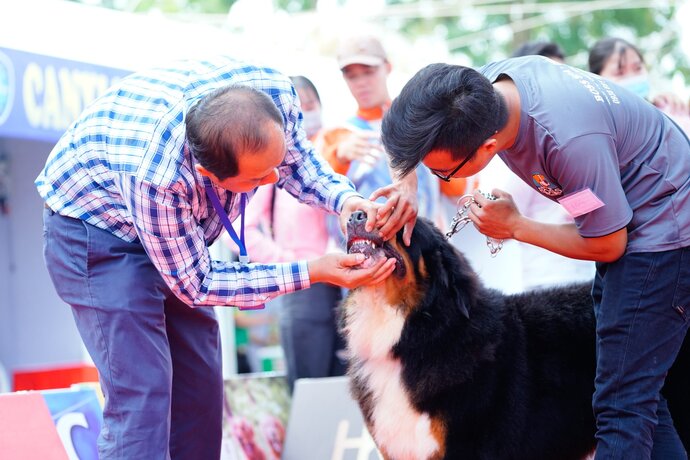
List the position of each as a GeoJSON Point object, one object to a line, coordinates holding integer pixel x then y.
{"type": "Point", "coordinates": [354, 147]}
{"type": "Point", "coordinates": [135, 191]}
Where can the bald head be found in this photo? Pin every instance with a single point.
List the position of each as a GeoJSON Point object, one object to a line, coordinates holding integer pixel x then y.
{"type": "Point", "coordinates": [230, 121]}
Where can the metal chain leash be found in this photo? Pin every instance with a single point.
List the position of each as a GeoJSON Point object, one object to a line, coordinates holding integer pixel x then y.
{"type": "Point", "coordinates": [462, 218]}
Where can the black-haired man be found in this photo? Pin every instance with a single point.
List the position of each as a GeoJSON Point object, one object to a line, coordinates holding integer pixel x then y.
{"type": "Point", "coordinates": [619, 167]}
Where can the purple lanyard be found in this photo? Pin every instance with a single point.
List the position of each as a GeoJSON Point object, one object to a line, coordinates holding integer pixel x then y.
{"type": "Point", "coordinates": [244, 258]}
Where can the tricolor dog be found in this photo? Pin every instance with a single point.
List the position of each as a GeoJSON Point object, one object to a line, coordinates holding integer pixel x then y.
{"type": "Point", "coordinates": [444, 368]}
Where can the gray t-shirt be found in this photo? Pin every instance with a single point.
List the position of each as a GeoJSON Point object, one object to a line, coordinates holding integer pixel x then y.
{"type": "Point", "coordinates": [580, 133]}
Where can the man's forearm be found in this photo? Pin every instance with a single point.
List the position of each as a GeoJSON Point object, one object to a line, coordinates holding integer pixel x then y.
{"type": "Point", "coordinates": [565, 240]}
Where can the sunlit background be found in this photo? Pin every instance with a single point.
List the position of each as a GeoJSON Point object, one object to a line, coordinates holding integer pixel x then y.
{"type": "Point", "coordinates": [299, 37]}
{"type": "Point", "coordinates": [66, 50]}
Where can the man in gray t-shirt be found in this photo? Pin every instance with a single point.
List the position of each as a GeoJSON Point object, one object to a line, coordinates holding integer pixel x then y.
{"type": "Point", "coordinates": [619, 167]}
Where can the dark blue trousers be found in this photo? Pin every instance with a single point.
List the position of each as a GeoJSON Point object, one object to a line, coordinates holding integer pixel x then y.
{"type": "Point", "coordinates": [642, 306]}
{"type": "Point", "coordinates": [158, 359]}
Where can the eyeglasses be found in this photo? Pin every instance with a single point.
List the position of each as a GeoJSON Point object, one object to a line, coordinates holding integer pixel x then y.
{"type": "Point", "coordinates": [449, 176]}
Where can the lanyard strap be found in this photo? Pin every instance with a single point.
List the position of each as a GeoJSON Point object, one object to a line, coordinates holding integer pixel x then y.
{"type": "Point", "coordinates": [239, 241]}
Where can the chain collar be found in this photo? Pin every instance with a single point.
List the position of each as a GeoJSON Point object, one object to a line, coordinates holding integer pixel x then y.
{"type": "Point", "coordinates": [462, 218]}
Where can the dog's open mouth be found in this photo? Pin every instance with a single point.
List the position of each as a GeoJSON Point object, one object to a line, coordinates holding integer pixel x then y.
{"type": "Point", "coordinates": [373, 247]}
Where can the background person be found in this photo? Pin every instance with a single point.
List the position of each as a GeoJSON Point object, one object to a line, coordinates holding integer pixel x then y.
{"type": "Point", "coordinates": [131, 192]}
{"type": "Point", "coordinates": [282, 229]}
{"type": "Point", "coordinates": [551, 50]}
{"type": "Point", "coordinates": [620, 169]}
{"type": "Point", "coordinates": [354, 147]}
{"type": "Point", "coordinates": [622, 62]}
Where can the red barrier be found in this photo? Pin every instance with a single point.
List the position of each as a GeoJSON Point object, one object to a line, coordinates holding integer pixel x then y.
{"type": "Point", "coordinates": [54, 377]}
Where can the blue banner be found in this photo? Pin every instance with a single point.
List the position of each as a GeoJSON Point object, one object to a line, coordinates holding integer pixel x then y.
{"type": "Point", "coordinates": [40, 96]}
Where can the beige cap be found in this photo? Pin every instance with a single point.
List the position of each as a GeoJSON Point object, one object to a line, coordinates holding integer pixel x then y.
{"type": "Point", "coordinates": [363, 49]}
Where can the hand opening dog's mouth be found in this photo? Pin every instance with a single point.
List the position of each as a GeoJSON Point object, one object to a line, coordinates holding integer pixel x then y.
{"type": "Point", "coordinates": [372, 246]}
{"type": "Point", "coordinates": [372, 250]}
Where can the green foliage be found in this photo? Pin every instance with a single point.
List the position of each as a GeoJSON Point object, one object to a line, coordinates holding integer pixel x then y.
{"type": "Point", "coordinates": [166, 6]}
{"type": "Point", "coordinates": [295, 6]}
{"type": "Point", "coordinates": [574, 25]}
{"type": "Point", "coordinates": [479, 31]}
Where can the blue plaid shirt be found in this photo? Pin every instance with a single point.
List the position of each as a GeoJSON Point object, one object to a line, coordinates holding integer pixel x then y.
{"type": "Point", "coordinates": [122, 167]}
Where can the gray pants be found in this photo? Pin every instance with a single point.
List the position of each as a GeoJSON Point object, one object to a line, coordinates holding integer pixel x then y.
{"type": "Point", "coordinates": [309, 334]}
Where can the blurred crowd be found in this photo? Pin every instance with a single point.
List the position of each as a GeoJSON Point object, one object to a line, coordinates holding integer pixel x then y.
{"type": "Point", "coordinates": [304, 324]}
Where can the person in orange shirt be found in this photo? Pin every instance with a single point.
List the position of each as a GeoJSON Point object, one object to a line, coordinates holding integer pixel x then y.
{"type": "Point", "coordinates": [354, 147]}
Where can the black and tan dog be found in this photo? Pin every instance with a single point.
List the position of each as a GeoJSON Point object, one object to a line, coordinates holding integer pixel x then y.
{"type": "Point", "coordinates": [444, 368]}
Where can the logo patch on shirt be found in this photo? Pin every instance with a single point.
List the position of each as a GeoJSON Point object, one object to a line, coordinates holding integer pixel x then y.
{"type": "Point", "coordinates": [544, 186]}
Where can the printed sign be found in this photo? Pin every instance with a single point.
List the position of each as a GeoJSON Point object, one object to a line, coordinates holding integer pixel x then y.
{"type": "Point", "coordinates": [78, 417]}
{"type": "Point", "coordinates": [40, 96]}
{"type": "Point", "coordinates": [326, 423]}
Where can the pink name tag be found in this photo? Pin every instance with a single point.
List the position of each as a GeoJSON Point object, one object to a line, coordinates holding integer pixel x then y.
{"type": "Point", "coordinates": [579, 203]}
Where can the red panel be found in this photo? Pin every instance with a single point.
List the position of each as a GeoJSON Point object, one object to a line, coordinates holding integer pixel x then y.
{"type": "Point", "coordinates": [54, 377]}
{"type": "Point", "coordinates": [27, 431]}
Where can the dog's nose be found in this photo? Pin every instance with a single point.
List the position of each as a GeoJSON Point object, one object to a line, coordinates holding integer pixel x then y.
{"type": "Point", "coordinates": [358, 217]}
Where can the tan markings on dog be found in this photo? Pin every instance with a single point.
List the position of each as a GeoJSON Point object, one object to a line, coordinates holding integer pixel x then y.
{"type": "Point", "coordinates": [373, 328]}
{"type": "Point", "coordinates": [403, 292]}
{"type": "Point", "coordinates": [422, 268]}
{"type": "Point", "coordinates": [438, 431]}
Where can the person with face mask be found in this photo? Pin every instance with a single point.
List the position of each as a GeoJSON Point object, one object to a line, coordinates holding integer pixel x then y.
{"type": "Point", "coordinates": [311, 105]}
{"type": "Point", "coordinates": [279, 228]}
{"type": "Point", "coordinates": [621, 62]}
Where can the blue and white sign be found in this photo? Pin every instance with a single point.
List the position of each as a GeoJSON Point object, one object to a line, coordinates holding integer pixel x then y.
{"type": "Point", "coordinates": [6, 87]}
{"type": "Point", "coordinates": [40, 96]}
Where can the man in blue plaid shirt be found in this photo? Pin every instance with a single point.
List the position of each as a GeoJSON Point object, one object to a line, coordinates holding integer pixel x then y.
{"type": "Point", "coordinates": [129, 192]}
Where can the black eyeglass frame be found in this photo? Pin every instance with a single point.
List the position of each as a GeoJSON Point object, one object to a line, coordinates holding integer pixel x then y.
{"type": "Point", "coordinates": [449, 176]}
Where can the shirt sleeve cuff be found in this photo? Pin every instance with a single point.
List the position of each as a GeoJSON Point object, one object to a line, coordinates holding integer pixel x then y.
{"type": "Point", "coordinates": [293, 276]}
{"type": "Point", "coordinates": [343, 198]}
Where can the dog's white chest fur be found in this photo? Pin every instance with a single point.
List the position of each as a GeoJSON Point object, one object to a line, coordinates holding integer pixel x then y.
{"type": "Point", "coordinates": [373, 328]}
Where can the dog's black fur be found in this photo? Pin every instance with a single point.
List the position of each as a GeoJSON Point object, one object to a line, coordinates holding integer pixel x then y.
{"type": "Point", "coordinates": [510, 376]}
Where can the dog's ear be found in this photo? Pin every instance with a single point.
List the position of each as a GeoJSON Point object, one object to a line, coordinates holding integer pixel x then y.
{"type": "Point", "coordinates": [451, 282]}
{"type": "Point", "coordinates": [462, 306]}
{"type": "Point", "coordinates": [457, 286]}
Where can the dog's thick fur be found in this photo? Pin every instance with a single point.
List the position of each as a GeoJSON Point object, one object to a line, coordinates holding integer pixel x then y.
{"type": "Point", "coordinates": [444, 368]}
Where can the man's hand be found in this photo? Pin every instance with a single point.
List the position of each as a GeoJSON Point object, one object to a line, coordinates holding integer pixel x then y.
{"type": "Point", "coordinates": [340, 269]}
{"type": "Point", "coordinates": [400, 209]}
{"type": "Point", "coordinates": [671, 104]}
{"type": "Point", "coordinates": [495, 218]}
{"type": "Point", "coordinates": [357, 203]}
{"type": "Point", "coordinates": [501, 219]}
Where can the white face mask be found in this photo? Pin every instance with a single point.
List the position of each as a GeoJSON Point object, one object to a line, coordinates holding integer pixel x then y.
{"type": "Point", "coordinates": [312, 121]}
{"type": "Point", "coordinates": [639, 84]}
